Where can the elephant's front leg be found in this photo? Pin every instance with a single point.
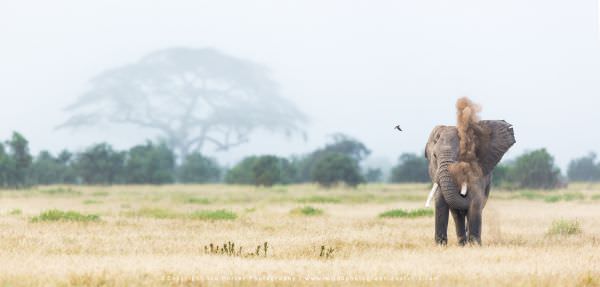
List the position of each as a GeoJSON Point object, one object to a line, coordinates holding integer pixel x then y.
{"type": "Point", "coordinates": [474, 219]}
{"type": "Point", "coordinates": [459, 222]}
{"type": "Point", "coordinates": [441, 220]}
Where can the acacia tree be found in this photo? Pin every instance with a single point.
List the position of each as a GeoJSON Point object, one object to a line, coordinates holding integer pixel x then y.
{"type": "Point", "coordinates": [191, 98]}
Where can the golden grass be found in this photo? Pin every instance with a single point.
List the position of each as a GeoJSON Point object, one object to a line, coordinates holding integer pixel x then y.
{"type": "Point", "coordinates": [151, 250]}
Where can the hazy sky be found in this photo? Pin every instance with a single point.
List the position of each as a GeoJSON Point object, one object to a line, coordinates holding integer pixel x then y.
{"type": "Point", "coordinates": [357, 67]}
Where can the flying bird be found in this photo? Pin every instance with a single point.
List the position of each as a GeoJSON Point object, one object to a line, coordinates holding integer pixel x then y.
{"type": "Point", "coordinates": [398, 128]}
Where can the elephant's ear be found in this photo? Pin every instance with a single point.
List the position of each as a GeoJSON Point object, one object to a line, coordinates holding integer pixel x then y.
{"type": "Point", "coordinates": [501, 138]}
{"type": "Point", "coordinates": [432, 139]}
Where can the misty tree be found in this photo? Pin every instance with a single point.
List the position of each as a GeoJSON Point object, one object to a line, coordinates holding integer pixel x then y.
{"type": "Point", "coordinates": [191, 97]}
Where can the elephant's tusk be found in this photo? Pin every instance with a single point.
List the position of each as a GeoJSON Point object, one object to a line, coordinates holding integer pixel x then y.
{"type": "Point", "coordinates": [431, 194]}
{"type": "Point", "coordinates": [463, 189]}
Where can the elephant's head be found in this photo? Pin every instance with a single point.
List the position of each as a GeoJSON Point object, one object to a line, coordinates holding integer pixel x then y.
{"type": "Point", "coordinates": [448, 169]}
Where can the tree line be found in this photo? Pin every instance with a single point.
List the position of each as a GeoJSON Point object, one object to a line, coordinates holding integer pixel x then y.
{"type": "Point", "coordinates": [339, 161]}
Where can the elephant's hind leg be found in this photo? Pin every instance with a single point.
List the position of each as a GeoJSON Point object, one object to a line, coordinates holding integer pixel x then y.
{"type": "Point", "coordinates": [459, 223]}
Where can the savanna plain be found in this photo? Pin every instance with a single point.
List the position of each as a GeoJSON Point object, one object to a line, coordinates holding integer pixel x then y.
{"type": "Point", "coordinates": [298, 235]}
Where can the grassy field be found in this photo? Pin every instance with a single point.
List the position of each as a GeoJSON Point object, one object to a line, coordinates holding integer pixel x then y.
{"type": "Point", "coordinates": [373, 235]}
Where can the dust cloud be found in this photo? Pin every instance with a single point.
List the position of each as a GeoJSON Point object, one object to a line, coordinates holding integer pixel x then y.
{"type": "Point", "coordinates": [472, 136]}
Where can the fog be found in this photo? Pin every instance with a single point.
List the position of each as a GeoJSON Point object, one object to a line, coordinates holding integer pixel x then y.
{"type": "Point", "coordinates": [356, 67]}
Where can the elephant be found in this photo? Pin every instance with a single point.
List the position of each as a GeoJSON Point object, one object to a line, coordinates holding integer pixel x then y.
{"type": "Point", "coordinates": [442, 151]}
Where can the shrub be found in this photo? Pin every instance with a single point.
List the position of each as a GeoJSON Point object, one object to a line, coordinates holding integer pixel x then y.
{"type": "Point", "coordinates": [336, 167]}
{"type": "Point", "coordinates": [564, 227]}
{"type": "Point", "coordinates": [15, 211]}
{"type": "Point", "coordinates": [58, 215]}
{"type": "Point", "coordinates": [408, 214]}
{"type": "Point", "coordinates": [307, 210]}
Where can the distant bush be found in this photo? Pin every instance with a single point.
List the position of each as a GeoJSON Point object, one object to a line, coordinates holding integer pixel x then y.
{"type": "Point", "coordinates": [15, 161]}
{"type": "Point", "coordinates": [101, 164]}
{"type": "Point", "coordinates": [410, 168]}
{"type": "Point", "coordinates": [336, 168]}
{"type": "Point", "coordinates": [264, 170]}
{"type": "Point", "coordinates": [47, 169]}
{"type": "Point", "coordinates": [534, 169]}
{"type": "Point", "coordinates": [59, 215]}
{"type": "Point", "coordinates": [197, 168]}
{"type": "Point", "coordinates": [584, 169]}
{"type": "Point", "coordinates": [150, 163]}
{"type": "Point", "coordinates": [500, 175]}
{"type": "Point", "coordinates": [342, 144]}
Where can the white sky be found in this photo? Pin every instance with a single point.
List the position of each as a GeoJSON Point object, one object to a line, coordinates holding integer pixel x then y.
{"type": "Point", "coordinates": [357, 67]}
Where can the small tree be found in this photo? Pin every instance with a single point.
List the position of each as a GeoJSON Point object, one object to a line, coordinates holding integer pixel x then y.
{"type": "Point", "coordinates": [150, 163]}
{"type": "Point", "coordinates": [334, 168]}
{"type": "Point", "coordinates": [534, 169]}
{"type": "Point", "coordinates": [584, 168]}
{"type": "Point", "coordinates": [342, 144]}
{"type": "Point", "coordinates": [264, 170]}
{"type": "Point", "coordinates": [197, 168]}
{"type": "Point", "coordinates": [5, 166]}
{"type": "Point", "coordinates": [19, 160]}
{"type": "Point", "coordinates": [101, 164]}
{"type": "Point", "coordinates": [410, 168]}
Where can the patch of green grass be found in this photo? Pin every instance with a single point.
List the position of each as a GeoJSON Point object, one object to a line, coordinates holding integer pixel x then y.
{"type": "Point", "coordinates": [319, 199]}
{"type": "Point", "coordinates": [552, 198]}
{"type": "Point", "coordinates": [407, 214]}
{"type": "Point", "coordinates": [307, 210]}
{"type": "Point", "coordinates": [197, 200]}
{"type": "Point", "coordinates": [573, 196]}
{"type": "Point", "coordinates": [100, 193]}
{"type": "Point", "coordinates": [213, 215]}
{"type": "Point", "coordinates": [59, 215]}
{"type": "Point", "coordinates": [15, 211]}
{"type": "Point", "coordinates": [596, 197]}
{"type": "Point", "coordinates": [60, 192]}
{"type": "Point", "coordinates": [92, 201]}
{"type": "Point", "coordinates": [530, 194]}
{"type": "Point", "coordinates": [158, 213]}
{"type": "Point", "coordinates": [564, 227]}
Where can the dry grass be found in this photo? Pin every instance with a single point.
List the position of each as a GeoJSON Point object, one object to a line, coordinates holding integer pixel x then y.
{"type": "Point", "coordinates": [149, 237]}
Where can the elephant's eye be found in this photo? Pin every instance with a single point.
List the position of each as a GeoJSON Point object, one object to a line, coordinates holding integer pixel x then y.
{"type": "Point", "coordinates": [437, 137]}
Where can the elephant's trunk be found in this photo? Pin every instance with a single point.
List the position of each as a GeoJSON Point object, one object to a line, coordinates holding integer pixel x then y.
{"type": "Point", "coordinates": [449, 188]}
